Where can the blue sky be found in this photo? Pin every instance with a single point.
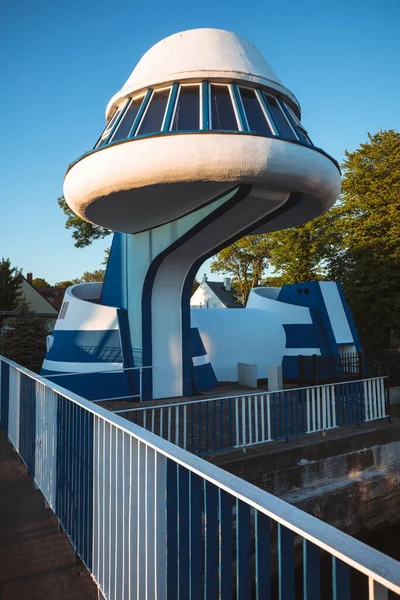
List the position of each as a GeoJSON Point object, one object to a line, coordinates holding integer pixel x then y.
{"type": "Point", "coordinates": [62, 61]}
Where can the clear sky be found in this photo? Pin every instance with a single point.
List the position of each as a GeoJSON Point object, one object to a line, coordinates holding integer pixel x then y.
{"type": "Point", "coordinates": [61, 61]}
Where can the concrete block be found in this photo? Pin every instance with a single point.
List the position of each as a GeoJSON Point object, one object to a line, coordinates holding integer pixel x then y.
{"type": "Point", "coordinates": [247, 375]}
{"type": "Point", "coordinates": [275, 378]}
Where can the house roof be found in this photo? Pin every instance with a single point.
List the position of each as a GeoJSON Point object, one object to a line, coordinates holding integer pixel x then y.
{"type": "Point", "coordinates": [226, 297]}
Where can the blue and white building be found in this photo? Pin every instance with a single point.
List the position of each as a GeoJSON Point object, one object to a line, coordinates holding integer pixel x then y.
{"type": "Point", "coordinates": [202, 145]}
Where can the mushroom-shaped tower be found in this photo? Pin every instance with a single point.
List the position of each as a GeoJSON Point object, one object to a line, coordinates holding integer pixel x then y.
{"type": "Point", "coordinates": [203, 144]}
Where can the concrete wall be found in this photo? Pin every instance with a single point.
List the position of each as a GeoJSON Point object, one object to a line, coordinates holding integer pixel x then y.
{"type": "Point", "coordinates": [350, 479]}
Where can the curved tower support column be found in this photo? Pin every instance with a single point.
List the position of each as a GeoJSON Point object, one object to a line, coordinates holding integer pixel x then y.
{"type": "Point", "coordinates": [151, 275]}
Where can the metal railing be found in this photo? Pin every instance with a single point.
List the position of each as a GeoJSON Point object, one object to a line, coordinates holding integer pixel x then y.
{"type": "Point", "coordinates": [315, 369]}
{"type": "Point", "coordinates": [215, 424]}
{"type": "Point", "coordinates": [151, 520]}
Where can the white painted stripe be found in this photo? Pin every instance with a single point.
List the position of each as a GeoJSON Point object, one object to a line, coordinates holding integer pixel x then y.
{"type": "Point", "coordinates": [200, 360]}
{"type": "Point", "coordinates": [336, 312]}
{"type": "Point", "coordinates": [303, 351]}
{"type": "Point", "coordinates": [75, 367]}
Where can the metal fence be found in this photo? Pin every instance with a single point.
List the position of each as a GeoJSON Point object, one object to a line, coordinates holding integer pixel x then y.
{"type": "Point", "coordinates": [216, 424]}
{"type": "Point", "coordinates": [348, 366]}
{"type": "Point", "coordinates": [151, 520]}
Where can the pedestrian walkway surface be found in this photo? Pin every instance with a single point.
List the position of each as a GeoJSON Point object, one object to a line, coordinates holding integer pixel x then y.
{"type": "Point", "coordinates": [36, 561]}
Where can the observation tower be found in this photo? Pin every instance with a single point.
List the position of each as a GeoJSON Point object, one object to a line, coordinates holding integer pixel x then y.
{"type": "Point", "coordinates": [203, 144]}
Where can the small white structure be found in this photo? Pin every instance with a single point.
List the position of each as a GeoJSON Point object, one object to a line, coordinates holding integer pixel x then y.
{"type": "Point", "coordinates": [215, 294]}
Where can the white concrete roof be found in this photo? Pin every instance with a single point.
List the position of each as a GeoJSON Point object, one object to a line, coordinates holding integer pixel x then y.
{"type": "Point", "coordinates": [201, 54]}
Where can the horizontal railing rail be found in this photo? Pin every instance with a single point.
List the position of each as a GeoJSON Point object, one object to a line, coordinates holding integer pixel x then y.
{"type": "Point", "coordinates": [151, 520]}
{"type": "Point", "coordinates": [216, 424]}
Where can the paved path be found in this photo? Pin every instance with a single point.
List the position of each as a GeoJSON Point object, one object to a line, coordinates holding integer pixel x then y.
{"type": "Point", "coordinates": [36, 562]}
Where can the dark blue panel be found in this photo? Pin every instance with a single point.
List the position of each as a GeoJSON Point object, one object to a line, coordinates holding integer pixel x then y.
{"type": "Point", "coordinates": [211, 541]}
{"type": "Point", "coordinates": [172, 529]}
{"type": "Point", "coordinates": [309, 295]}
{"type": "Point", "coordinates": [340, 580]}
{"type": "Point", "coordinates": [74, 481]}
{"type": "Point", "coordinates": [204, 378]}
{"type": "Point", "coordinates": [132, 376]}
{"type": "Point", "coordinates": [27, 422]}
{"type": "Point", "coordinates": [196, 536]}
{"type": "Point", "coordinates": [290, 367]}
{"type": "Point", "coordinates": [197, 346]}
{"type": "Point", "coordinates": [115, 285]}
{"type": "Point", "coordinates": [263, 556]}
{"type": "Point", "coordinates": [85, 346]}
{"type": "Point", "coordinates": [183, 535]}
{"type": "Point", "coordinates": [311, 571]}
{"type": "Point", "coordinates": [242, 550]}
{"type": "Point", "coordinates": [285, 563]}
{"type": "Point", "coordinates": [300, 336]}
{"type": "Point", "coordinates": [93, 386]}
{"type": "Point", "coordinates": [225, 546]}
{"type": "Point", "coordinates": [5, 394]}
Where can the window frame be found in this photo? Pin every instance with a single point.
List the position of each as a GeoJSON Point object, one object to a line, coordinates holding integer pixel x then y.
{"type": "Point", "coordinates": [298, 123]}
{"type": "Point", "coordinates": [178, 95]}
{"type": "Point", "coordinates": [265, 110]}
{"type": "Point", "coordinates": [131, 100]}
{"type": "Point", "coordinates": [296, 137]}
{"type": "Point", "coordinates": [148, 104]}
{"type": "Point", "coordinates": [235, 112]}
{"type": "Point", "coordinates": [109, 126]}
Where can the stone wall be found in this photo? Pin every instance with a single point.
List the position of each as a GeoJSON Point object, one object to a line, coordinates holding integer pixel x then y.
{"type": "Point", "coordinates": [350, 479]}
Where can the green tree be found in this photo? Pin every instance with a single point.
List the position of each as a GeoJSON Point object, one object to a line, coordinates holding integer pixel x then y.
{"type": "Point", "coordinates": [10, 281]}
{"type": "Point", "coordinates": [367, 262]}
{"type": "Point", "coordinates": [23, 338]}
{"type": "Point", "coordinates": [245, 261]}
{"type": "Point", "coordinates": [97, 275]}
{"type": "Point", "coordinates": [67, 283]}
{"type": "Point", "coordinates": [39, 282]}
{"type": "Point", "coordinates": [84, 233]}
{"type": "Point", "coordinates": [300, 254]}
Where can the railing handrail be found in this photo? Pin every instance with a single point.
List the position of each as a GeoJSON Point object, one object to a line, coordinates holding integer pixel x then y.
{"type": "Point", "coordinates": [251, 395]}
{"type": "Point", "coordinates": [376, 565]}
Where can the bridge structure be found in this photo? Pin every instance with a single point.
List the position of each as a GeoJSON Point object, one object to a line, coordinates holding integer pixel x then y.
{"type": "Point", "coordinates": [150, 519]}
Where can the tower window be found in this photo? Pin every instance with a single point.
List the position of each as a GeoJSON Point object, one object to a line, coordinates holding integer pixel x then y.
{"type": "Point", "coordinates": [281, 122]}
{"type": "Point", "coordinates": [223, 116]}
{"type": "Point", "coordinates": [254, 113]}
{"type": "Point", "coordinates": [154, 116]}
{"type": "Point", "coordinates": [127, 121]}
{"type": "Point", "coordinates": [187, 112]}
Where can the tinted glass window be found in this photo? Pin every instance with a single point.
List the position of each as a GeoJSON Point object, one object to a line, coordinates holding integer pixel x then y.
{"type": "Point", "coordinates": [152, 120]}
{"type": "Point", "coordinates": [222, 114]}
{"type": "Point", "coordinates": [254, 113]}
{"type": "Point", "coordinates": [301, 132]}
{"type": "Point", "coordinates": [127, 120]}
{"type": "Point", "coordinates": [187, 114]}
{"type": "Point", "coordinates": [283, 126]}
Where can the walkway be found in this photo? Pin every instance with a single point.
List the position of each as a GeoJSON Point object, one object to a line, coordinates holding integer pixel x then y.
{"type": "Point", "coordinates": [37, 562]}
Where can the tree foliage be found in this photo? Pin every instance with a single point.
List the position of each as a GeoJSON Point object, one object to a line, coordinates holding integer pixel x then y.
{"type": "Point", "coordinates": [245, 261]}
{"type": "Point", "coordinates": [10, 281]}
{"type": "Point", "coordinates": [39, 282]}
{"type": "Point", "coordinates": [367, 262]}
{"type": "Point", "coordinates": [67, 283]}
{"type": "Point", "coordinates": [84, 233]}
{"type": "Point", "coordinates": [23, 338]}
{"type": "Point", "coordinates": [356, 243]}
